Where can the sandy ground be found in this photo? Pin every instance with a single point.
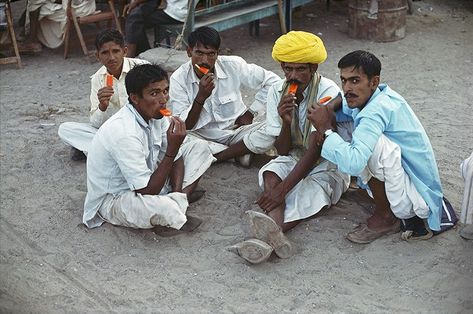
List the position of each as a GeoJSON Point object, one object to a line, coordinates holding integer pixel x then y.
{"type": "Point", "coordinates": [51, 263]}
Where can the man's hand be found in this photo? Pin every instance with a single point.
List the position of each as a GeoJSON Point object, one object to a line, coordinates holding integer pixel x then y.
{"type": "Point", "coordinates": [104, 94]}
{"type": "Point", "coordinates": [286, 106]}
{"type": "Point", "coordinates": [130, 6]}
{"type": "Point", "coordinates": [270, 200]}
{"type": "Point", "coordinates": [322, 118]}
{"type": "Point", "coordinates": [244, 119]}
{"type": "Point", "coordinates": [206, 86]}
{"type": "Point", "coordinates": [175, 135]}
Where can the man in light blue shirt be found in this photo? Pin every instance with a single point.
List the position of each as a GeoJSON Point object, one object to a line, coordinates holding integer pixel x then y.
{"type": "Point", "coordinates": [389, 151]}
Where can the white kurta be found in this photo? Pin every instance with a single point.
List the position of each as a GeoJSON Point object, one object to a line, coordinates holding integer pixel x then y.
{"type": "Point", "coordinates": [467, 204]}
{"type": "Point", "coordinates": [80, 135]}
{"type": "Point", "coordinates": [324, 185]}
{"type": "Point", "coordinates": [123, 155]}
{"type": "Point", "coordinates": [216, 122]}
{"type": "Point", "coordinates": [52, 18]}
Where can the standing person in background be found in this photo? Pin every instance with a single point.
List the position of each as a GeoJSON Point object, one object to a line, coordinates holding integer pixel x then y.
{"type": "Point", "coordinates": [467, 204]}
{"type": "Point", "coordinates": [104, 100]}
{"type": "Point", "coordinates": [144, 14]}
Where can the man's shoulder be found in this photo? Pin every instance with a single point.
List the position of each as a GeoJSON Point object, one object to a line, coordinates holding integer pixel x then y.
{"type": "Point", "coordinates": [135, 61]}
{"type": "Point", "coordinates": [181, 71]}
{"type": "Point", "coordinates": [101, 71]}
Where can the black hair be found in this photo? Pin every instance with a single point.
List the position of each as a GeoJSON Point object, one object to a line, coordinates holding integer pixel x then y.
{"type": "Point", "coordinates": [109, 35]}
{"type": "Point", "coordinates": [362, 59]}
{"type": "Point", "coordinates": [205, 35]}
{"type": "Point", "coordinates": [141, 76]}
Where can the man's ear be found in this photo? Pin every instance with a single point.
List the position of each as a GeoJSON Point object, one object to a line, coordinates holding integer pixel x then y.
{"type": "Point", "coordinates": [189, 51]}
{"type": "Point", "coordinates": [313, 67]}
{"type": "Point", "coordinates": [134, 98]}
{"type": "Point", "coordinates": [374, 82]}
{"type": "Point", "coordinates": [125, 50]}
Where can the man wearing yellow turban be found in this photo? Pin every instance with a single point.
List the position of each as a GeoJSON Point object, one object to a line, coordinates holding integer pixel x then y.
{"type": "Point", "coordinates": [298, 183]}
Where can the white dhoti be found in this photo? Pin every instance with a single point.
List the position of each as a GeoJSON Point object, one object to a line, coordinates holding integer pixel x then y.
{"type": "Point", "coordinates": [467, 203]}
{"type": "Point", "coordinates": [52, 18]}
{"type": "Point", "coordinates": [78, 135]}
{"type": "Point", "coordinates": [134, 210]}
{"type": "Point", "coordinates": [385, 165]}
{"type": "Point", "coordinates": [253, 135]}
{"type": "Point", "coordinates": [323, 186]}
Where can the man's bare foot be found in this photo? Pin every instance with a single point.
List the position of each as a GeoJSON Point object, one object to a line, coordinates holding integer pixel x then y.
{"type": "Point", "coordinates": [195, 196]}
{"type": "Point", "coordinates": [191, 224]}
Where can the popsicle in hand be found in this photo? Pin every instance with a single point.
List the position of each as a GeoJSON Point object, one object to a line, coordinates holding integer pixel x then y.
{"type": "Point", "coordinates": [202, 69]}
{"type": "Point", "coordinates": [292, 88]}
{"type": "Point", "coordinates": [323, 100]}
{"type": "Point", "coordinates": [109, 80]}
{"type": "Point", "coordinates": [165, 112]}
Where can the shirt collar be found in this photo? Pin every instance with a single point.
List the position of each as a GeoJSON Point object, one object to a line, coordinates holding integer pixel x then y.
{"type": "Point", "coordinates": [125, 68]}
{"type": "Point", "coordinates": [138, 117]}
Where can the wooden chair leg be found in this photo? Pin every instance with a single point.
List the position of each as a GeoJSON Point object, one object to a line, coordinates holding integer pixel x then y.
{"type": "Point", "coordinates": [67, 36]}
{"type": "Point", "coordinates": [81, 38]}
{"type": "Point", "coordinates": [11, 31]}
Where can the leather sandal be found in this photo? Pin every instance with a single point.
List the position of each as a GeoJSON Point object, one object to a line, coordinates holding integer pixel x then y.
{"type": "Point", "coordinates": [264, 228]}
{"type": "Point", "coordinates": [362, 234]}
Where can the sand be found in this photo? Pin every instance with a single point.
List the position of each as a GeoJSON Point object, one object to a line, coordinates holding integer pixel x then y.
{"type": "Point", "coordinates": [51, 263]}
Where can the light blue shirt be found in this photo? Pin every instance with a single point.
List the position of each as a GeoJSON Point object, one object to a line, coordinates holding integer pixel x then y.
{"type": "Point", "coordinates": [388, 113]}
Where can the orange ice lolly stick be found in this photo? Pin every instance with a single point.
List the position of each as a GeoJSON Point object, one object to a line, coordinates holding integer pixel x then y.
{"type": "Point", "coordinates": [165, 112]}
{"type": "Point", "coordinates": [202, 69]}
{"type": "Point", "coordinates": [292, 88]}
{"type": "Point", "coordinates": [109, 80]}
{"type": "Point", "coordinates": [323, 100]}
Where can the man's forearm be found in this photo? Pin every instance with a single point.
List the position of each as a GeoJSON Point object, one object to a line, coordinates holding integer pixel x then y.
{"type": "Point", "coordinates": [303, 167]}
{"type": "Point", "coordinates": [177, 175]}
{"type": "Point", "coordinates": [159, 177]}
{"type": "Point", "coordinates": [283, 142]}
{"type": "Point", "coordinates": [194, 113]}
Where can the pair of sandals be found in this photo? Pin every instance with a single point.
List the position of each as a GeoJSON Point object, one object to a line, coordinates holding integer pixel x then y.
{"type": "Point", "coordinates": [266, 238]}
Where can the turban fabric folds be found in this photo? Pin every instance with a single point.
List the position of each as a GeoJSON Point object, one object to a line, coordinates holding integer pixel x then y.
{"type": "Point", "coordinates": [299, 47]}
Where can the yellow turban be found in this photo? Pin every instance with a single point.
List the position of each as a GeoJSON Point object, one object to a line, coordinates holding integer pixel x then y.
{"type": "Point", "coordinates": [299, 47]}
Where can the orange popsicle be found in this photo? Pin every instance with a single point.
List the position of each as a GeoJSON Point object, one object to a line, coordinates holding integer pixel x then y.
{"type": "Point", "coordinates": [323, 100]}
{"type": "Point", "coordinates": [109, 80]}
{"type": "Point", "coordinates": [165, 112]}
{"type": "Point", "coordinates": [292, 88]}
{"type": "Point", "coordinates": [202, 69]}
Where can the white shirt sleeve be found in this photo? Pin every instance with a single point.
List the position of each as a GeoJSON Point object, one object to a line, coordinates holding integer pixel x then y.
{"type": "Point", "coordinates": [257, 78]}
{"type": "Point", "coordinates": [273, 121]}
{"type": "Point", "coordinates": [96, 116]}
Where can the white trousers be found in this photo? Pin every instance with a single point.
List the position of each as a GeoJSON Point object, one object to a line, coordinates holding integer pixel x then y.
{"type": "Point", "coordinates": [78, 135]}
{"type": "Point", "coordinates": [385, 165]}
{"type": "Point", "coordinates": [323, 186]}
{"type": "Point", "coordinates": [134, 210]}
{"type": "Point", "coordinates": [467, 203]}
{"type": "Point", "coordinates": [253, 135]}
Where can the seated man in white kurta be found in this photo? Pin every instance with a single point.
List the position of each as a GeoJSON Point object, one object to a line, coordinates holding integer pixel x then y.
{"type": "Point", "coordinates": [46, 21]}
{"type": "Point", "coordinates": [138, 175]}
{"type": "Point", "coordinates": [211, 103]}
{"type": "Point", "coordinates": [298, 183]}
{"type": "Point", "coordinates": [104, 100]}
